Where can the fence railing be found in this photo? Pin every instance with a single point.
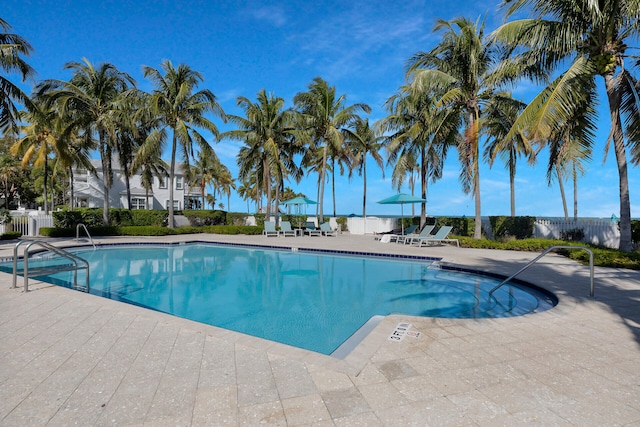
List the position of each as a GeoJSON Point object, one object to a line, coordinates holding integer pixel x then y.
{"type": "Point", "coordinates": [27, 223]}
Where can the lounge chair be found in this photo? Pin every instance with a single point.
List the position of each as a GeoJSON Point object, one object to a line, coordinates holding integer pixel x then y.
{"type": "Point", "coordinates": [286, 230]}
{"type": "Point", "coordinates": [408, 239]}
{"type": "Point", "coordinates": [270, 229]}
{"type": "Point", "coordinates": [409, 230]}
{"type": "Point", "coordinates": [440, 236]}
{"type": "Point", "coordinates": [311, 230]}
{"type": "Point", "coordinates": [326, 230]}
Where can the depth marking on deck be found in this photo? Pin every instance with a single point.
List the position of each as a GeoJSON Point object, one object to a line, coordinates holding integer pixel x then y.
{"type": "Point", "coordinates": [399, 332]}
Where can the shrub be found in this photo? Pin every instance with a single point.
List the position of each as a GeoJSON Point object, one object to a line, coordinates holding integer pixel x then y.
{"type": "Point", "coordinates": [204, 218]}
{"type": "Point", "coordinates": [297, 221]}
{"type": "Point", "coordinates": [234, 229]}
{"type": "Point", "coordinates": [236, 218]}
{"type": "Point", "coordinates": [462, 226]}
{"type": "Point", "coordinates": [520, 226]}
{"type": "Point", "coordinates": [260, 217]}
{"type": "Point", "coordinates": [635, 232]}
{"type": "Point", "coordinates": [342, 222]}
{"type": "Point", "coordinates": [573, 235]}
{"type": "Point", "coordinates": [143, 217]}
{"type": "Point", "coordinates": [10, 235]}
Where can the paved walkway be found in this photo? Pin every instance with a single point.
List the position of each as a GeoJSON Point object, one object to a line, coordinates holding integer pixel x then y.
{"type": "Point", "coordinates": [68, 358]}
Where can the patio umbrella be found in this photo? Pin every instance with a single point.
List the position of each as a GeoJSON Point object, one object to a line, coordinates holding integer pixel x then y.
{"type": "Point", "coordinates": [298, 201]}
{"type": "Point", "coordinates": [401, 199]}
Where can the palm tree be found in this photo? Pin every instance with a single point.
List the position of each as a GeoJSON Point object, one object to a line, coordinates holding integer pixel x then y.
{"type": "Point", "coordinates": [462, 66]}
{"type": "Point", "coordinates": [12, 48]}
{"type": "Point", "coordinates": [41, 139]}
{"type": "Point", "coordinates": [324, 115]}
{"type": "Point", "coordinates": [90, 99]}
{"type": "Point", "coordinates": [590, 39]}
{"type": "Point", "coordinates": [178, 108]}
{"type": "Point", "coordinates": [268, 133]}
{"type": "Point", "coordinates": [421, 133]}
{"type": "Point", "coordinates": [502, 111]}
{"type": "Point", "coordinates": [363, 141]}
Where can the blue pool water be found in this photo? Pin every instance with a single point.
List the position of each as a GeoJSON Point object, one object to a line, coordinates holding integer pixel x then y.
{"type": "Point", "coordinates": [314, 301]}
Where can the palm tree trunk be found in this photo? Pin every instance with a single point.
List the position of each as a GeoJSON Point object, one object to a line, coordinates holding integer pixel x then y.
{"type": "Point", "coordinates": [477, 233]}
{"type": "Point", "coordinates": [105, 178]}
{"type": "Point", "coordinates": [364, 193]}
{"type": "Point", "coordinates": [423, 180]}
{"type": "Point", "coordinates": [621, 159]}
{"type": "Point", "coordinates": [564, 199]}
{"type": "Point", "coordinates": [128, 186]}
{"type": "Point", "coordinates": [322, 175]}
{"type": "Point", "coordinates": [46, 196]}
{"type": "Point", "coordinates": [575, 193]}
{"type": "Point", "coordinates": [71, 192]}
{"type": "Point", "coordinates": [172, 170]}
{"type": "Point", "coordinates": [333, 185]}
{"type": "Point", "coordinates": [512, 181]}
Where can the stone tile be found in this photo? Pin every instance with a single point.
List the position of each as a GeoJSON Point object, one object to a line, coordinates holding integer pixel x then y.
{"type": "Point", "coordinates": [216, 406]}
{"type": "Point", "coordinates": [364, 419]}
{"type": "Point", "coordinates": [396, 369]}
{"type": "Point", "coordinates": [305, 410]}
{"type": "Point", "coordinates": [263, 414]}
{"type": "Point", "coordinates": [328, 380]}
{"type": "Point", "coordinates": [345, 402]}
{"type": "Point", "coordinates": [292, 378]}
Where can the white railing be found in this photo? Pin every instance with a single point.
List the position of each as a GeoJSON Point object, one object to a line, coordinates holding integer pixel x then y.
{"type": "Point", "coordinates": [28, 223]}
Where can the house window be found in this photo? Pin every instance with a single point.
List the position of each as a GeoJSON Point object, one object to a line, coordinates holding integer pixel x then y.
{"type": "Point", "coordinates": [176, 205]}
{"type": "Point", "coordinates": [82, 202]}
{"type": "Point", "coordinates": [162, 183]}
{"type": "Point", "coordinates": [138, 203]}
{"type": "Point", "coordinates": [178, 183]}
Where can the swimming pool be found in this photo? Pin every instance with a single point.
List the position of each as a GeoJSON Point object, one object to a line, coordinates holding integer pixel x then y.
{"type": "Point", "coordinates": [309, 300]}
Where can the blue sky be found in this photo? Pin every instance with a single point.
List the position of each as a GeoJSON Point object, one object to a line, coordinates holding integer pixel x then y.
{"type": "Point", "coordinates": [361, 47]}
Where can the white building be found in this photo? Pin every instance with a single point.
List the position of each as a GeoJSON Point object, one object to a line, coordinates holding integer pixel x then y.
{"type": "Point", "coordinates": [88, 190]}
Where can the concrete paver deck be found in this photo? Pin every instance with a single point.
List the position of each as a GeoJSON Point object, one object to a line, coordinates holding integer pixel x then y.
{"type": "Point", "coordinates": [69, 358]}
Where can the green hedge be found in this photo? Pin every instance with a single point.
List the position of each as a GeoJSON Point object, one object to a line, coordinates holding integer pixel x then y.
{"type": "Point", "coordinates": [462, 226]}
{"type": "Point", "coordinates": [521, 227]}
{"type": "Point", "coordinates": [92, 217]}
{"type": "Point", "coordinates": [148, 230]}
{"type": "Point", "coordinates": [10, 235]}
{"type": "Point", "coordinates": [204, 218]}
{"type": "Point", "coordinates": [236, 218]}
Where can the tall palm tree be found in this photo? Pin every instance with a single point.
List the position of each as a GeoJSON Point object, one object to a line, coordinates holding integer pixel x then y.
{"type": "Point", "coordinates": [421, 133]}
{"type": "Point", "coordinates": [12, 49]}
{"type": "Point", "coordinates": [363, 141]}
{"type": "Point", "coordinates": [324, 115]}
{"type": "Point", "coordinates": [90, 98]}
{"type": "Point", "coordinates": [180, 109]}
{"type": "Point", "coordinates": [590, 39]}
{"type": "Point", "coordinates": [501, 112]}
{"type": "Point", "coordinates": [268, 133]}
{"type": "Point", "coordinates": [463, 65]}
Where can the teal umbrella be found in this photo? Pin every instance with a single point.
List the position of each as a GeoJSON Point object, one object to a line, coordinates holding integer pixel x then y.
{"type": "Point", "coordinates": [298, 201]}
{"type": "Point", "coordinates": [402, 199]}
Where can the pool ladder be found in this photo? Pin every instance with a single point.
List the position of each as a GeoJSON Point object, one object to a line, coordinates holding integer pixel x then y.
{"type": "Point", "coordinates": [78, 227]}
{"type": "Point", "coordinates": [533, 261]}
{"type": "Point", "coordinates": [75, 263]}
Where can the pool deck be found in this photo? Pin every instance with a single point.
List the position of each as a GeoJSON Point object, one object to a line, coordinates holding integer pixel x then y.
{"type": "Point", "coordinates": [70, 358]}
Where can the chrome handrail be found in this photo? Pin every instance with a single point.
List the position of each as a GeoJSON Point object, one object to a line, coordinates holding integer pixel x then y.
{"type": "Point", "coordinates": [591, 291]}
{"type": "Point", "coordinates": [74, 259]}
{"type": "Point", "coordinates": [86, 231]}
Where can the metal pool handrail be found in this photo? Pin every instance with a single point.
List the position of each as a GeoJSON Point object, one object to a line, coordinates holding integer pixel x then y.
{"type": "Point", "coordinates": [86, 231]}
{"type": "Point", "coordinates": [591, 291]}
